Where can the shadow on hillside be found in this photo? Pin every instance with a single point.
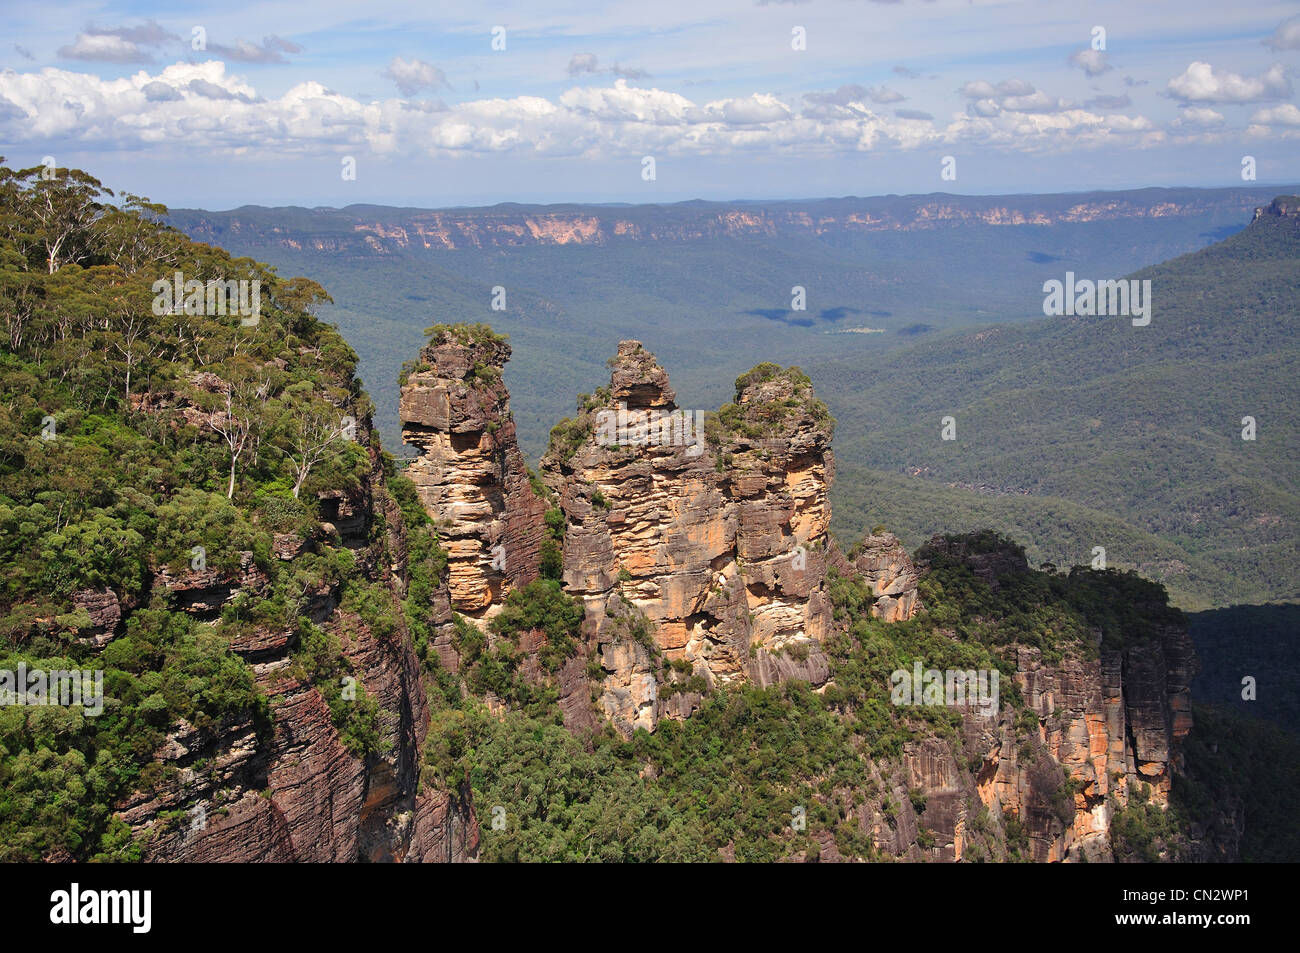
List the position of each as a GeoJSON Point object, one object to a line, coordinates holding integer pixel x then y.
{"type": "Point", "coordinates": [1260, 641]}
{"type": "Point", "coordinates": [800, 319]}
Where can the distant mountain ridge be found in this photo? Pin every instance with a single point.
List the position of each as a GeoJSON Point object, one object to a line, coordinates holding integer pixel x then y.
{"type": "Point", "coordinates": [375, 229]}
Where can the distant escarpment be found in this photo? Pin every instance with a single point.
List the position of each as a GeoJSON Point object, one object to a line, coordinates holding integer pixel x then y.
{"type": "Point", "coordinates": [371, 230]}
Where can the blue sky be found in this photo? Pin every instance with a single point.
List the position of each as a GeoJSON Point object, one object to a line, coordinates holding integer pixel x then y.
{"type": "Point", "coordinates": [233, 103]}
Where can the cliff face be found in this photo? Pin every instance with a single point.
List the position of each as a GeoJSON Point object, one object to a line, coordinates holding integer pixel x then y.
{"type": "Point", "coordinates": [470, 473]}
{"type": "Point", "coordinates": [1047, 790]}
{"type": "Point", "coordinates": [370, 231]}
{"type": "Point", "coordinates": [1109, 720]}
{"type": "Point", "coordinates": [717, 541]}
{"type": "Point", "coordinates": [291, 789]}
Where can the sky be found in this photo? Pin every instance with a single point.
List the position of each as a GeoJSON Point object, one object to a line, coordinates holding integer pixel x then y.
{"type": "Point", "coordinates": [339, 102]}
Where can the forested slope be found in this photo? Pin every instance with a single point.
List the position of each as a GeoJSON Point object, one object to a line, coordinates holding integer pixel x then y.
{"type": "Point", "coordinates": [1078, 432]}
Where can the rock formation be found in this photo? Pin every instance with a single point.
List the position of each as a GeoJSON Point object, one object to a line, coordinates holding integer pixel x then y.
{"type": "Point", "coordinates": [714, 544]}
{"type": "Point", "coordinates": [883, 562]}
{"type": "Point", "coordinates": [470, 473]}
{"type": "Point", "coordinates": [699, 549]}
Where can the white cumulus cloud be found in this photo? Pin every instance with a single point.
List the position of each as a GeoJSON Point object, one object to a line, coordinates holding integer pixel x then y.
{"type": "Point", "coordinates": [1199, 116]}
{"type": "Point", "coordinates": [104, 48]}
{"type": "Point", "coordinates": [1202, 83]}
{"type": "Point", "coordinates": [1284, 115]}
{"type": "Point", "coordinates": [1286, 36]}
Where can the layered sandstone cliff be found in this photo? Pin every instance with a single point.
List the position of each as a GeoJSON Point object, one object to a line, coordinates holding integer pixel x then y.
{"type": "Point", "coordinates": [290, 788]}
{"type": "Point", "coordinates": [1106, 722]}
{"type": "Point", "coordinates": [717, 540]}
{"type": "Point", "coordinates": [470, 473]}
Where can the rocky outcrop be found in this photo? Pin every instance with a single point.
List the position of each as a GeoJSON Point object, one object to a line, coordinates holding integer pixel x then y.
{"type": "Point", "coordinates": [470, 474]}
{"type": "Point", "coordinates": [700, 557]}
{"type": "Point", "coordinates": [1284, 206]}
{"type": "Point", "coordinates": [444, 828]}
{"type": "Point", "coordinates": [104, 612]}
{"type": "Point", "coordinates": [472, 481]}
{"type": "Point", "coordinates": [203, 592]}
{"type": "Point", "coordinates": [703, 550]}
{"type": "Point", "coordinates": [884, 563]}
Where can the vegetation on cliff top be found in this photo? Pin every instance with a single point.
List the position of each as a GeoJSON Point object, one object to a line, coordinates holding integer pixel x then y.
{"type": "Point", "coordinates": [137, 439]}
{"type": "Point", "coordinates": [747, 416]}
{"type": "Point", "coordinates": [467, 335]}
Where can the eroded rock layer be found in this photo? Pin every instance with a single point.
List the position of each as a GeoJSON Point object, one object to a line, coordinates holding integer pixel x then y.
{"type": "Point", "coordinates": [707, 549]}
{"type": "Point", "coordinates": [289, 788]}
{"type": "Point", "coordinates": [470, 473]}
